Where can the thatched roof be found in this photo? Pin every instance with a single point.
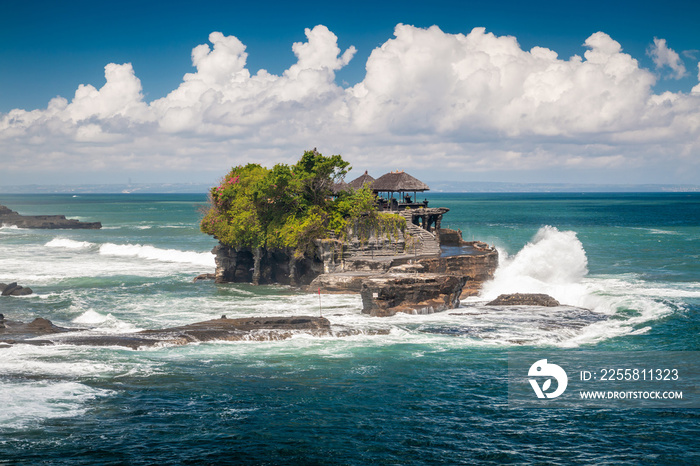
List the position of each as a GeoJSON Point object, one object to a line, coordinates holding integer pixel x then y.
{"type": "Point", "coordinates": [398, 181]}
{"type": "Point", "coordinates": [362, 180]}
{"type": "Point", "coordinates": [340, 186]}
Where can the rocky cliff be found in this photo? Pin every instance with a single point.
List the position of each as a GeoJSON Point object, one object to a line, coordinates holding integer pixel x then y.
{"type": "Point", "coordinates": [387, 272]}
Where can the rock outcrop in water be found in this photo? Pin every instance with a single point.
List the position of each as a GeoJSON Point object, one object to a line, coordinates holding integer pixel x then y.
{"type": "Point", "coordinates": [389, 280]}
{"type": "Point", "coordinates": [9, 217]}
{"type": "Point", "coordinates": [13, 289]}
{"type": "Point", "coordinates": [525, 299]}
{"type": "Point", "coordinates": [424, 293]}
{"type": "Point", "coordinates": [302, 227]}
{"type": "Point", "coordinates": [42, 332]}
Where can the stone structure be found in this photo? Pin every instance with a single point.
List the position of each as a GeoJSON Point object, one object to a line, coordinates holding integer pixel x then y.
{"type": "Point", "coordinates": [11, 218]}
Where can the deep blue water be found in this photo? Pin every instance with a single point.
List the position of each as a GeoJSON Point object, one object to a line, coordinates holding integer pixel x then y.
{"type": "Point", "coordinates": [433, 391]}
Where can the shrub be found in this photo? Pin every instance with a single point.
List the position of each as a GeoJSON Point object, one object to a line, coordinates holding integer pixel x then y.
{"type": "Point", "coordinates": [291, 206]}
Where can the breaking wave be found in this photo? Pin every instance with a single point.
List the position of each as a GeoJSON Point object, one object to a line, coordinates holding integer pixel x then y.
{"type": "Point", "coordinates": [148, 252]}
{"type": "Point", "coordinates": [68, 244]}
{"type": "Point", "coordinates": [205, 259]}
{"type": "Point", "coordinates": [554, 263]}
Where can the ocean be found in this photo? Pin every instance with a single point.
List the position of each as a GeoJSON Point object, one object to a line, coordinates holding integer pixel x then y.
{"type": "Point", "coordinates": [434, 390]}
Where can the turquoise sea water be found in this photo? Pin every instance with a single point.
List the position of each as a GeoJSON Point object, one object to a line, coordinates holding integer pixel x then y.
{"type": "Point", "coordinates": [433, 391]}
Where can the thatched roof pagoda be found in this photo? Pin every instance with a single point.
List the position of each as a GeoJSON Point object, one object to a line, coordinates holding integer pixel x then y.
{"type": "Point", "coordinates": [362, 180]}
{"type": "Point", "coordinates": [403, 183]}
{"type": "Point", "coordinates": [398, 181]}
{"type": "Point", "coordinates": [340, 186]}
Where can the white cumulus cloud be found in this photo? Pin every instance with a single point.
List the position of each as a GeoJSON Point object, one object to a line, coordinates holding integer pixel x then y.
{"type": "Point", "coordinates": [666, 57]}
{"type": "Point", "coordinates": [447, 104]}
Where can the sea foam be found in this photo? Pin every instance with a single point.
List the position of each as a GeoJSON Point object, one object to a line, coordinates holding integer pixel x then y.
{"type": "Point", "coordinates": [554, 263]}
{"type": "Point", "coordinates": [205, 259]}
{"type": "Point", "coordinates": [27, 404]}
{"type": "Point", "coordinates": [68, 244]}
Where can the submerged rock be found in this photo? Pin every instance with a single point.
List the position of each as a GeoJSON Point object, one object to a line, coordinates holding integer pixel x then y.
{"type": "Point", "coordinates": [525, 299]}
{"type": "Point", "coordinates": [224, 329]}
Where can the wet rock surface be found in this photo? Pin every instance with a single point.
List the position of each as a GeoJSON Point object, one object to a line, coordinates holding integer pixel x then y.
{"type": "Point", "coordinates": [525, 299]}
{"type": "Point", "coordinates": [43, 332]}
{"type": "Point", "coordinates": [9, 217]}
{"type": "Point", "coordinates": [424, 293]}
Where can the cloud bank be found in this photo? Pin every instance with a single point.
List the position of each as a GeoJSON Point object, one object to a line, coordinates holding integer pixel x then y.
{"type": "Point", "coordinates": [453, 105]}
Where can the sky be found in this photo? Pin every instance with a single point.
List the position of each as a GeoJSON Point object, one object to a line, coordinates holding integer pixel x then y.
{"type": "Point", "coordinates": [598, 92]}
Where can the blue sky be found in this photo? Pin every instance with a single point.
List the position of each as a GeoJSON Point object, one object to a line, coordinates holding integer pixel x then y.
{"type": "Point", "coordinates": [50, 49]}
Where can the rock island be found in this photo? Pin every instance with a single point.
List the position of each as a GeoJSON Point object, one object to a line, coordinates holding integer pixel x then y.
{"type": "Point", "coordinates": [303, 225]}
{"type": "Point", "coordinates": [9, 217]}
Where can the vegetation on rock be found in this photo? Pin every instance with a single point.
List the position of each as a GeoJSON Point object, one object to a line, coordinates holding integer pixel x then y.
{"type": "Point", "coordinates": [292, 206]}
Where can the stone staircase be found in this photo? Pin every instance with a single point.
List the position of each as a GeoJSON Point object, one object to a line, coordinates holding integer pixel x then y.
{"type": "Point", "coordinates": [421, 242]}
{"type": "Point", "coordinates": [380, 253]}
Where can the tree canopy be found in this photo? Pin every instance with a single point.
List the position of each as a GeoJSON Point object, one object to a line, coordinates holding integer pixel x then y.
{"type": "Point", "coordinates": [289, 206]}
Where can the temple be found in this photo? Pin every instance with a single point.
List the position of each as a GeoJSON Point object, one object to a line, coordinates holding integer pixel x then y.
{"type": "Point", "coordinates": [422, 268]}
{"type": "Point", "coordinates": [398, 192]}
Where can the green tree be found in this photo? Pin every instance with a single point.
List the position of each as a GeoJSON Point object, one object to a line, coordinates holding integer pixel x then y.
{"type": "Point", "coordinates": [290, 206]}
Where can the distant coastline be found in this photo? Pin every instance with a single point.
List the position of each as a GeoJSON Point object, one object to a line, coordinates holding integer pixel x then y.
{"type": "Point", "coordinates": [436, 187]}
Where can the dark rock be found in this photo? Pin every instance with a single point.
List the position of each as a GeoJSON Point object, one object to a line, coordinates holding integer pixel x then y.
{"type": "Point", "coordinates": [476, 268]}
{"type": "Point", "coordinates": [348, 282]}
{"type": "Point", "coordinates": [12, 218]}
{"type": "Point", "coordinates": [22, 291]}
{"type": "Point", "coordinates": [525, 299]}
{"type": "Point", "coordinates": [8, 289]}
{"type": "Point", "coordinates": [263, 267]}
{"type": "Point", "coordinates": [21, 330]}
{"type": "Point", "coordinates": [13, 289]}
{"type": "Point", "coordinates": [223, 329]}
